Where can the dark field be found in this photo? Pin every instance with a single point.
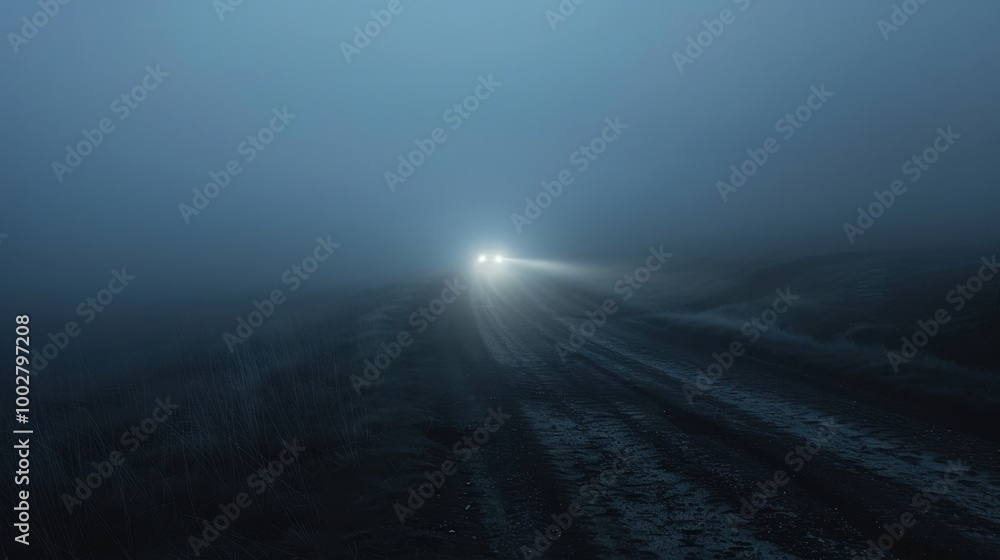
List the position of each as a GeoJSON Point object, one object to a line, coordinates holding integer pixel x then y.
{"type": "Point", "coordinates": [611, 435]}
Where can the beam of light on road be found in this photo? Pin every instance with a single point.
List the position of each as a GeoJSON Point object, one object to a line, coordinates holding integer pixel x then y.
{"type": "Point", "coordinates": [553, 267]}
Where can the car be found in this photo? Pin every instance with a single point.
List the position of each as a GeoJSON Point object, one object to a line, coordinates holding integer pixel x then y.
{"type": "Point", "coordinates": [491, 257]}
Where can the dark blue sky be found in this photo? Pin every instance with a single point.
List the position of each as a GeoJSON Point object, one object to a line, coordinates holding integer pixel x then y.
{"type": "Point", "coordinates": [324, 172]}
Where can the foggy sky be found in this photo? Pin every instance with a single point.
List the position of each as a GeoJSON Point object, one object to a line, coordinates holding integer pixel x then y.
{"type": "Point", "coordinates": [323, 175]}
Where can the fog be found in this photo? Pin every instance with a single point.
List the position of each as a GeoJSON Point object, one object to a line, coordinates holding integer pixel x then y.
{"type": "Point", "coordinates": [209, 79]}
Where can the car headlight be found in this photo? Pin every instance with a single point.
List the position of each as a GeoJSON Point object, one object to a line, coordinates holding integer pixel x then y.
{"type": "Point", "coordinates": [482, 258]}
{"type": "Point", "coordinates": [498, 259]}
